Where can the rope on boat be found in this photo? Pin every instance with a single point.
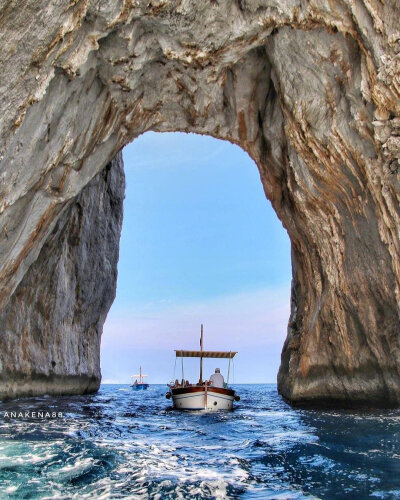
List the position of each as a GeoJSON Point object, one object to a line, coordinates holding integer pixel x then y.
{"type": "Point", "coordinates": [229, 370]}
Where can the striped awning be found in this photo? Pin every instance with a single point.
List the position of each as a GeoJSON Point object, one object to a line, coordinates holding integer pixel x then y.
{"type": "Point", "coordinates": [205, 354]}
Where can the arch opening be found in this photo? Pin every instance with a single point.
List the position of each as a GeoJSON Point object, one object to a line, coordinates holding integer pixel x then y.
{"type": "Point", "coordinates": [200, 243]}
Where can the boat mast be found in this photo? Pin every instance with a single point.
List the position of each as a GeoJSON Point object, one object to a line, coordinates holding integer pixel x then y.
{"type": "Point", "coordinates": [201, 357]}
{"type": "Point", "coordinates": [140, 374]}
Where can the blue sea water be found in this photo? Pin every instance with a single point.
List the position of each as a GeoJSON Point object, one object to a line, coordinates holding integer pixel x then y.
{"type": "Point", "coordinates": [121, 443]}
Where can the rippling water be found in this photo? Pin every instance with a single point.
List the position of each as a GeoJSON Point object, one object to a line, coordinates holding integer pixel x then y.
{"type": "Point", "coordinates": [120, 443]}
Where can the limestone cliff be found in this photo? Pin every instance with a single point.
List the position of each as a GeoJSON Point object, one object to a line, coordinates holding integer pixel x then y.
{"type": "Point", "coordinates": [311, 90]}
{"type": "Point", "coordinates": [52, 325]}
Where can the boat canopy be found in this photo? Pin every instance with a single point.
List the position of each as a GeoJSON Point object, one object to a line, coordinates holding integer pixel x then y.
{"type": "Point", "coordinates": [205, 354]}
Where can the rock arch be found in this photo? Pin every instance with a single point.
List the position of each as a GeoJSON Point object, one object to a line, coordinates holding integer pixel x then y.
{"type": "Point", "coordinates": [310, 90]}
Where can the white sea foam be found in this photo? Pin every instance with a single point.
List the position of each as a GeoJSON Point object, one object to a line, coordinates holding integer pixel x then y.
{"type": "Point", "coordinates": [112, 444]}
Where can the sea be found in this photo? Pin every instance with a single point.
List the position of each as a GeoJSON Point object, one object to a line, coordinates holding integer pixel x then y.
{"type": "Point", "coordinates": [121, 443]}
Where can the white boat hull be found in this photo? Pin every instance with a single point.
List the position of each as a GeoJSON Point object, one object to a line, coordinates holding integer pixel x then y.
{"type": "Point", "coordinates": [200, 399]}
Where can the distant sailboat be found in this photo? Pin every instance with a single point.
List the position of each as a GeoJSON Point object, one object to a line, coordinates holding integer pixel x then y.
{"type": "Point", "coordinates": [140, 385]}
{"type": "Point", "coordinates": [203, 395]}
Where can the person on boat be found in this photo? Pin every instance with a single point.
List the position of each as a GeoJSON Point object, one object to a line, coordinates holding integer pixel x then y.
{"type": "Point", "coordinates": [136, 382]}
{"type": "Point", "coordinates": [216, 379]}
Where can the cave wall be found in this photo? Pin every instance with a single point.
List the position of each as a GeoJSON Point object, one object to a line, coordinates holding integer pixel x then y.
{"type": "Point", "coordinates": [51, 327]}
{"type": "Point", "coordinates": [309, 89]}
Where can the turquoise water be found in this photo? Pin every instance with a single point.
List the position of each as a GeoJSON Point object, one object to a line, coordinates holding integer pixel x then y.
{"type": "Point", "coordinates": [121, 443]}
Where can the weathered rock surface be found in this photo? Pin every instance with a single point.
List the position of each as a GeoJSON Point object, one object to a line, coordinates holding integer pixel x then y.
{"type": "Point", "coordinates": [52, 325]}
{"type": "Point", "coordinates": [311, 90]}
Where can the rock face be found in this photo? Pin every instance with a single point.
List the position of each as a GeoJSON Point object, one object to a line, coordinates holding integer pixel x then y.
{"type": "Point", "coordinates": [309, 89]}
{"type": "Point", "coordinates": [52, 325]}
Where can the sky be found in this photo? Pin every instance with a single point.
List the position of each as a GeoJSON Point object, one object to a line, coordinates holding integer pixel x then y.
{"type": "Point", "coordinates": [200, 243]}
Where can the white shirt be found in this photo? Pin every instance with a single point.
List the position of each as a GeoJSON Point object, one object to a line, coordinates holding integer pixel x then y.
{"type": "Point", "coordinates": [217, 380]}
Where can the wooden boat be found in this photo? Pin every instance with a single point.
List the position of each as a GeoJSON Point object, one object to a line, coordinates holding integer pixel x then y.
{"type": "Point", "coordinates": [140, 385]}
{"type": "Point", "coordinates": [202, 396]}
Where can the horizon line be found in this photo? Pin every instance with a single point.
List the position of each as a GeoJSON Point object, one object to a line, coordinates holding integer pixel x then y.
{"type": "Point", "coordinates": [163, 383]}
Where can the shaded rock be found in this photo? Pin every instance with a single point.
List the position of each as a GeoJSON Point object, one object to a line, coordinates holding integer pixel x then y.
{"type": "Point", "coordinates": [51, 327]}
